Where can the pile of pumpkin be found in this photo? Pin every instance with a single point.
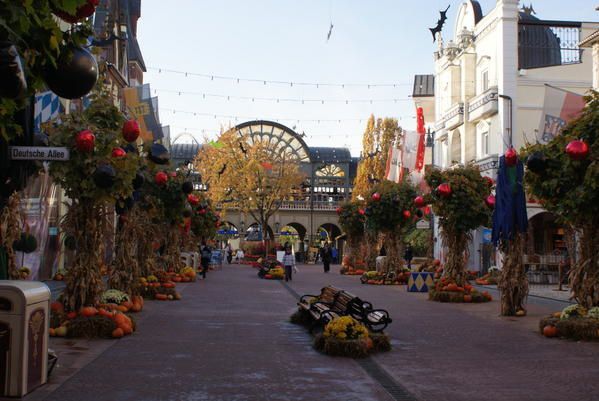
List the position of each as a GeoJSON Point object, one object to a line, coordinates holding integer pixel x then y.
{"type": "Point", "coordinates": [351, 272]}
{"type": "Point", "coordinates": [161, 290]}
{"type": "Point", "coordinates": [574, 322]}
{"type": "Point", "coordinates": [89, 322]}
{"type": "Point", "coordinates": [275, 273]}
{"type": "Point", "coordinates": [376, 278]}
{"type": "Point", "coordinates": [447, 290]}
{"type": "Point", "coordinates": [491, 278]}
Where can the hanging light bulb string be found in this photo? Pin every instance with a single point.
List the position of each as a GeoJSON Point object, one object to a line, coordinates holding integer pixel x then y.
{"type": "Point", "coordinates": [213, 77]}
{"type": "Point", "coordinates": [283, 100]}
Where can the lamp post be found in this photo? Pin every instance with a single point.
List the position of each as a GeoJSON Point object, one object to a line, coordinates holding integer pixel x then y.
{"type": "Point", "coordinates": [430, 143]}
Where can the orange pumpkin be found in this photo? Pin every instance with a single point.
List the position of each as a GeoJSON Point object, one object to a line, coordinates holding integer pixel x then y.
{"type": "Point", "coordinates": [122, 308]}
{"type": "Point", "coordinates": [467, 298]}
{"type": "Point", "coordinates": [168, 284]}
{"type": "Point", "coordinates": [160, 297]}
{"type": "Point", "coordinates": [127, 304]}
{"type": "Point", "coordinates": [71, 315]}
{"type": "Point", "coordinates": [104, 312]}
{"type": "Point", "coordinates": [136, 307]}
{"type": "Point", "coordinates": [177, 279]}
{"type": "Point", "coordinates": [550, 331]}
{"type": "Point", "coordinates": [452, 287]}
{"type": "Point", "coordinates": [118, 333]}
{"type": "Point", "coordinates": [88, 311]}
{"type": "Point", "coordinates": [57, 307]}
{"type": "Point", "coordinates": [127, 329]}
{"type": "Point", "coordinates": [51, 332]}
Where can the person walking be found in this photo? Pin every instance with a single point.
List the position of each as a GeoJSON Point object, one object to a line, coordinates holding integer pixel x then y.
{"type": "Point", "coordinates": [239, 256]}
{"type": "Point", "coordinates": [334, 255]}
{"type": "Point", "coordinates": [408, 254]}
{"type": "Point", "coordinates": [288, 263]}
{"type": "Point", "coordinates": [206, 255]}
{"type": "Point", "coordinates": [229, 252]}
{"type": "Point", "coordinates": [326, 256]}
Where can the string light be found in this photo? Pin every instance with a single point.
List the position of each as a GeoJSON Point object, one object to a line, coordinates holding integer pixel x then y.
{"type": "Point", "coordinates": [283, 100]}
{"type": "Point", "coordinates": [195, 113]}
{"type": "Point", "coordinates": [212, 77]}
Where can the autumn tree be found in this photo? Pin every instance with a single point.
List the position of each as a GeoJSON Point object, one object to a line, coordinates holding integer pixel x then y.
{"type": "Point", "coordinates": [379, 136]}
{"type": "Point", "coordinates": [247, 174]}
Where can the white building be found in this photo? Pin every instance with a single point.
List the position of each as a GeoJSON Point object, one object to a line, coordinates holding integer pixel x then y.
{"type": "Point", "coordinates": [494, 63]}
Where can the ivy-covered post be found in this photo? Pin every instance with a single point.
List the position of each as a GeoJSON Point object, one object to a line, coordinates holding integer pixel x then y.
{"type": "Point", "coordinates": [458, 199]}
{"type": "Point", "coordinates": [564, 176]}
{"type": "Point", "coordinates": [352, 219]}
{"type": "Point", "coordinates": [391, 212]}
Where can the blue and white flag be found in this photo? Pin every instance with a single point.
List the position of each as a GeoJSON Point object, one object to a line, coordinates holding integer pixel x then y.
{"type": "Point", "coordinates": [47, 107]}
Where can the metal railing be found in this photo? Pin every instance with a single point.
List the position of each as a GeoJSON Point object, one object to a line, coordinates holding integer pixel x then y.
{"type": "Point", "coordinates": [294, 205]}
{"type": "Point", "coordinates": [548, 43]}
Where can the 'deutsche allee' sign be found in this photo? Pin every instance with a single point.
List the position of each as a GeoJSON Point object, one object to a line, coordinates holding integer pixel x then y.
{"type": "Point", "coordinates": [38, 153]}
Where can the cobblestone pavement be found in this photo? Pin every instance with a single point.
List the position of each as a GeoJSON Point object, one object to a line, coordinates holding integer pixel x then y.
{"type": "Point", "coordinates": [229, 339]}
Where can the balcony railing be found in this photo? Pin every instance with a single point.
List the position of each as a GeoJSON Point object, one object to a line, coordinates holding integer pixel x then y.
{"type": "Point", "coordinates": [548, 43]}
{"type": "Point", "coordinates": [295, 205]}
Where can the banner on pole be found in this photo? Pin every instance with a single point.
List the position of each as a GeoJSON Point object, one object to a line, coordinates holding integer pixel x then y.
{"type": "Point", "coordinates": [559, 108]}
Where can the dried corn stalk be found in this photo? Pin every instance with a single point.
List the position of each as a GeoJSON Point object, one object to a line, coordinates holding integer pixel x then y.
{"type": "Point", "coordinates": [513, 283]}
{"type": "Point", "coordinates": [10, 231]}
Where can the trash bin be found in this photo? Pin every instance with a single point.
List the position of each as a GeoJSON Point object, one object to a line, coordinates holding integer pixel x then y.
{"type": "Point", "coordinates": [24, 311]}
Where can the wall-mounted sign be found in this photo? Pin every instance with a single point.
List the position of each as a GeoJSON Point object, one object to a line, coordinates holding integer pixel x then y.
{"type": "Point", "coordinates": [423, 225]}
{"type": "Point", "coordinates": [38, 153]}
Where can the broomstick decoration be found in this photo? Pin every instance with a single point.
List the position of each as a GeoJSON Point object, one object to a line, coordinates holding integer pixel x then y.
{"type": "Point", "coordinates": [222, 170]}
{"type": "Point", "coordinates": [440, 23]}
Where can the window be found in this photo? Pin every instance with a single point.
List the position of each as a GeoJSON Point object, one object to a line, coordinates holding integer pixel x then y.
{"type": "Point", "coordinates": [485, 143]}
{"type": "Point", "coordinates": [484, 80]}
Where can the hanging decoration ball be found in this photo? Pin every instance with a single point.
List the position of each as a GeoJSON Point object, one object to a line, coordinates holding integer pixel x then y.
{"type": "Point", "coordinates": [118, 153]}
{"type": "Point", "coordinates": [138, 181]}
{"type": "Point", "coordinates": [362, 212]}
{"type": "Point", "coordinates": [84, 11]}
{"type": "Point", "coordinates": [407, 214]}
{"type": "Point", "coordinates": [192, 199]}
{"type": "Point", "coordinates": [75, 74]}
{"type": "Point", "coordinates": [489, 180]}
{"type": "Point", "coordinates": [130, 130]}
{"type": "Point", "coordinates": [130, 148]}
{"type": "Point", "coordinates": [161, 178]}
{"type": "Point", "coordinates": [419, 213]}
{"type": "Point", "coordinates": [490, 201]}
{"type": "Point", "coordinates": [577, 150]}
{"type": "Point", "coordinates": [339, 210]}
{"type": "Point", "coordinates": [444, 190]}
{"type": "Point", "coordinates": [104, 176]}
{"type": "Point", "coordinates": [536, 162]}
{"type": "Point", "coordinates": [173, 174]}
{"type": "Point", "coordinates": [159, 154]}
{"type": "Point", "coordinates": [85, 141]}
{"type": "Point", "coordinates": [511, 157]}
{"type": "Point", "coordinates": [187, 187]}
{"type": "Point", "coordinates": [419, 201]}
{"type": "Point", "coordinates": [376, 197]}
{"type": "Point", "coordinates": [202, 211]}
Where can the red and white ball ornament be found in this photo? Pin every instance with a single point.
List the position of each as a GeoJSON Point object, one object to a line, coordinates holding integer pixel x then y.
{"type": "Point", "coordinates": [407, 214]}
{"type": "Point", "coordinates": [577, 150]}
{"type": "Point", "coordinates": [490, 201]}
{"type": "Point", "coordinates": [376, 197]}
{"type": "Point", "coordinates": [192, 199]}
{"type": "Point", "coordinates": [118, 153]}
{"type": "Point", "coordinates": [419, 201]}
{"type": "Point", "coordinates": [444, 190]}
{"type": "Point", "coordinates": [362, 212]}
{"type": "Point", "coordinates": [85, 141]}
{"type": "Point", "coordinates": [131, 130]}
{"type": "Point", "coordinates": [161, 178]}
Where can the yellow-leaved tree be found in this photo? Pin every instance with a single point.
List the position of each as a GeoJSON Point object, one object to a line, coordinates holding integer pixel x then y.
{"type": "Point", "coordinates": [380, 135]}
{"type": "Point", "coordinates": [248, 174]}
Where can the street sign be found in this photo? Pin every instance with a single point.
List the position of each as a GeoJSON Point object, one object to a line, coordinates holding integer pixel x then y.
{"type": "Point", "coordinates": [38, 153]}
{"type": "Point", "coordinates": [423, 225]}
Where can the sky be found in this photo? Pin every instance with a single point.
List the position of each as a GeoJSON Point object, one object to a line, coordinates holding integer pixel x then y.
{"type": "Point", "coordinates": [372, 42]}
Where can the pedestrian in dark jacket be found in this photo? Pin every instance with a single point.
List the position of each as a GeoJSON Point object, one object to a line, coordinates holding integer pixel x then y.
{"type": "Point", "coordinates": [326, 256]}
{"type": "Point", "coordinates": [205, 256]}
{"type": "Point", "coordinates": [408, 256]}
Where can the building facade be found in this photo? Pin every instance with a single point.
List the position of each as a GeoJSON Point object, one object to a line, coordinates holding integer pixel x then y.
{"type": "Point", "coordinates": [489, 89]}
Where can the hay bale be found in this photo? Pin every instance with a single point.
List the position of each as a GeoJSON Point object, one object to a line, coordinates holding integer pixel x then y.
{"type": "Point", "coordinates": [337, 347]}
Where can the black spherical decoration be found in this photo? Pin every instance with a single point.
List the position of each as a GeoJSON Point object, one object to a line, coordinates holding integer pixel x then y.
{"type": "Point", "coordinates": [419, 213]}
{"type": "Point", "coordinates": [536, 162]}
{"type": "Point", "coordinates": [159, 154]}
{"type": "Point", "coordinates": [130, 148]}
{"type": "Point", "coordinates": [187, 187]}
{"type": "Point", "coordinates": [75, 75]}
{"type": "Point", "coordinates": [138, 181]}
{"type": "Point", "coordinates": [40, 139]}
{"type": "Point", "coordinates": [187, 213]}
{"type": "Point", "coordinates": [104, 176]}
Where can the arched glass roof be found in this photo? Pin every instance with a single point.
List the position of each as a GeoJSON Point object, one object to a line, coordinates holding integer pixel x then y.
{"type": "Point", "coordinates": [280, 139]}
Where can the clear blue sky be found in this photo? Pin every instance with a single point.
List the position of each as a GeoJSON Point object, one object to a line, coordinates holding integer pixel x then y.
{"type": "Point", "coordinates": [382, 41]}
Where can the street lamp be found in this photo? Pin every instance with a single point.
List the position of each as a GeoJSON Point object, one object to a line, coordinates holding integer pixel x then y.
{"type": "Point", "coordinates": [430, 143]}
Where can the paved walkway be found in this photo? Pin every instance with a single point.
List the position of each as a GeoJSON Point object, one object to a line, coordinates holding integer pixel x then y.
{"type": "Point", "coordinates": [229, 339]}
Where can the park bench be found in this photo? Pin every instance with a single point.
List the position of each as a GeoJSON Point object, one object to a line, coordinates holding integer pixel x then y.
{"type": "Point", "coordinates": [333, 302]}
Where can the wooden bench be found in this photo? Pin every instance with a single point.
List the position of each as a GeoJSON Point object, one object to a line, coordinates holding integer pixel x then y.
{"type": "Point", "coordinates": [334, 303]}
{"type": "Point", "coordinates": [327, 296]}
